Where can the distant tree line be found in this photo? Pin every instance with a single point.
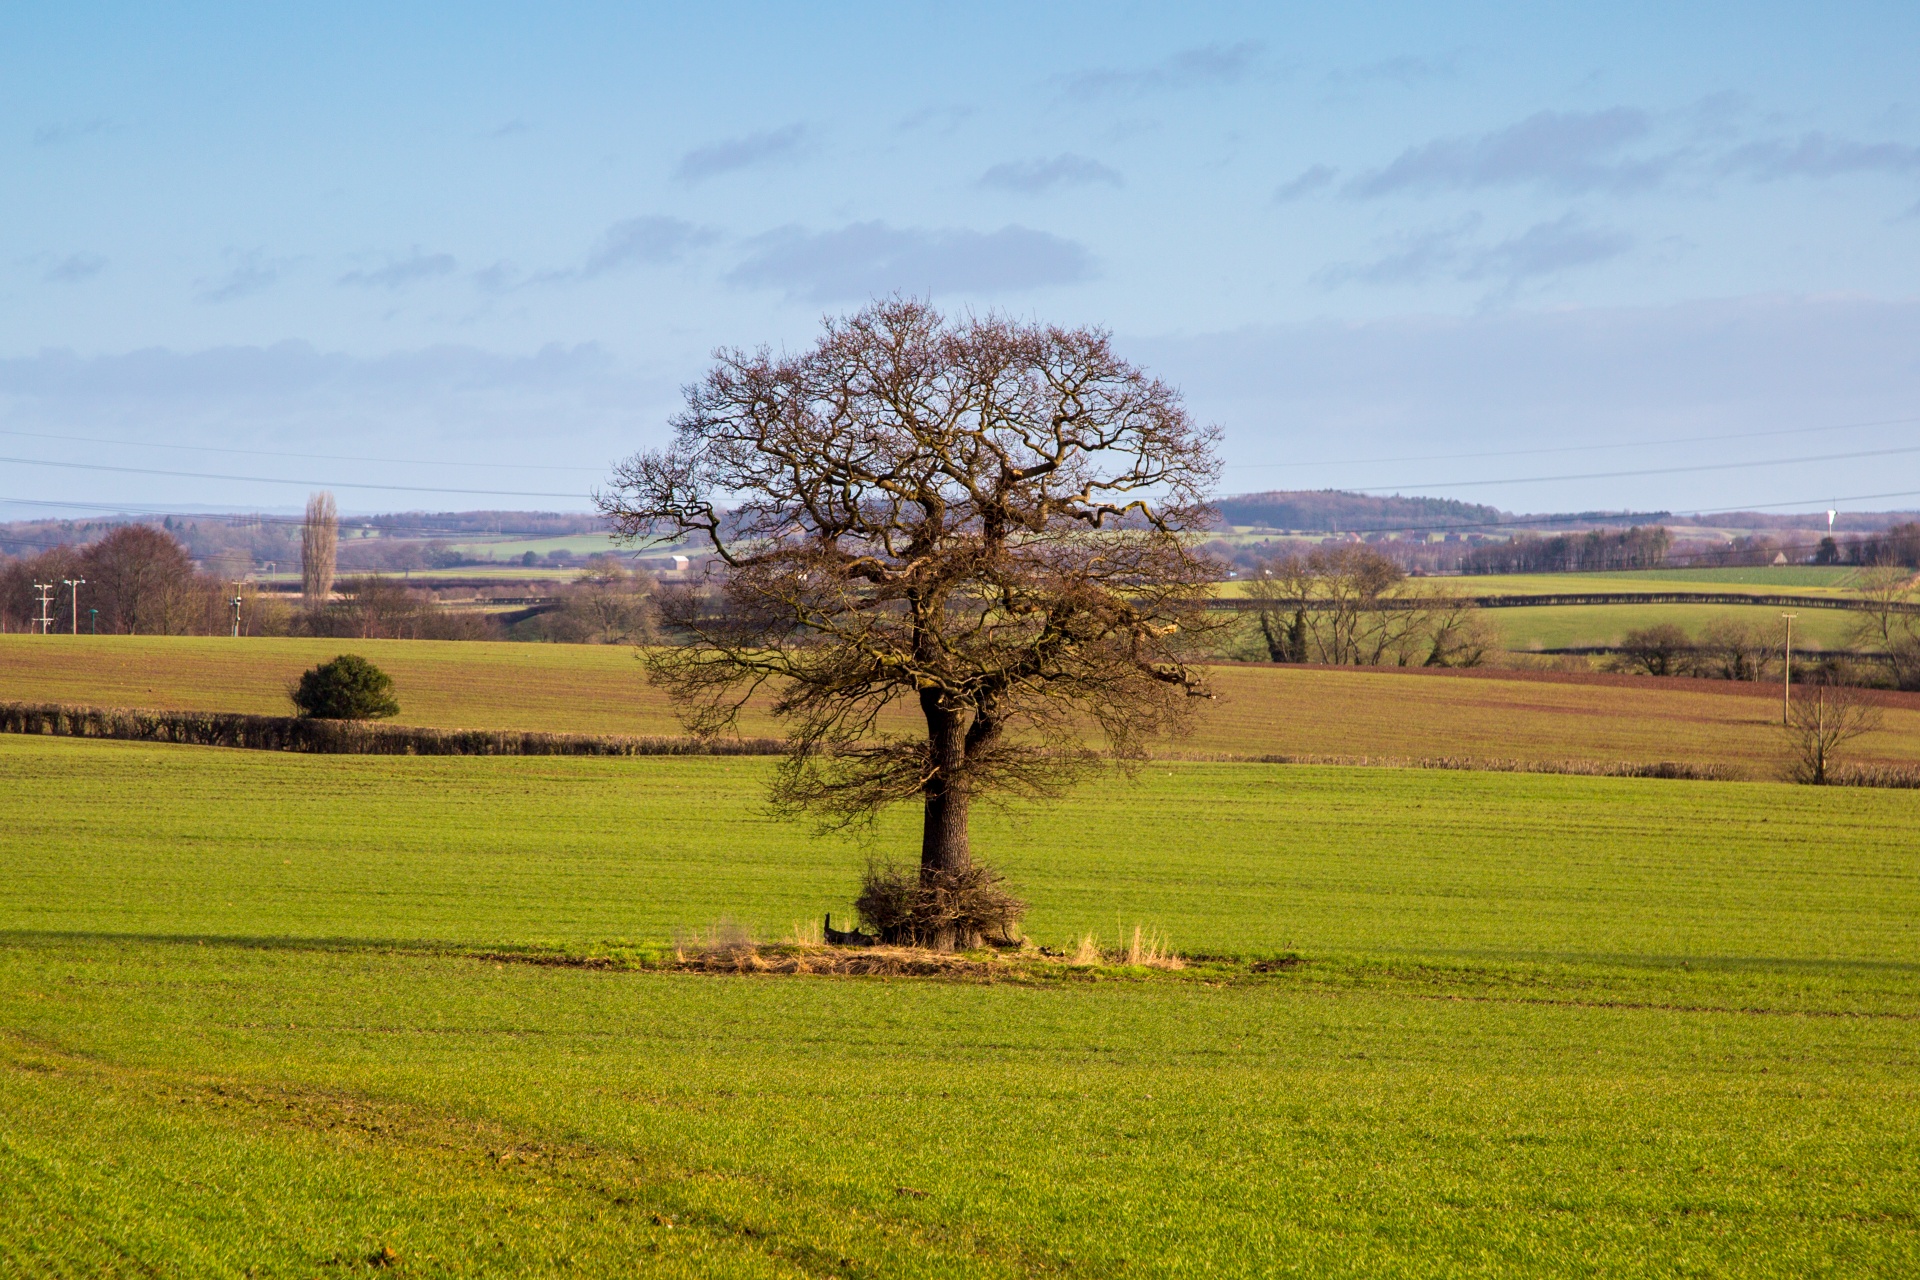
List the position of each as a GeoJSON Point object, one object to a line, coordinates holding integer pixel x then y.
{"type": "Point", "coordinates": [1334, 511]}
{"type": "Point", "coordinates": [1899, 545]}
{"type": "Point", "coordinates": [1640, 547]}
{"type": "Point", "coordinates": [139, 580]}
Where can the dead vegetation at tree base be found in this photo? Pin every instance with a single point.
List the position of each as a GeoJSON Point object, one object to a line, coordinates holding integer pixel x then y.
{"type": "Point", "coordinates": [726, 951]}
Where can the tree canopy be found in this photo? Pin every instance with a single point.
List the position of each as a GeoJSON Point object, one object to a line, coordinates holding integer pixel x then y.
{"type": "Point", "coordinates": [981, 520]}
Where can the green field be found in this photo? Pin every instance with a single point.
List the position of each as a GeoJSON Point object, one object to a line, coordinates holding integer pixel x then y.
{"type": "Point", "coordinates": [1589, 625]}
{"type": "Point", "coordinates": [1795, 579]}
{"type": "Point", "coordinates": [1544, 1026]}
{"type": "Point", "coordinates": [1775, 577]}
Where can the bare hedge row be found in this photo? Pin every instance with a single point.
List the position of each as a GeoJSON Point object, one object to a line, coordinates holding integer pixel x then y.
{"type": "Point", "coordinates": [348, 737]}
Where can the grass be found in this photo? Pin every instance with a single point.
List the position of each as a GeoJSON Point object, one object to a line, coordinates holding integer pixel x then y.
{"type": "Point", "coordinates": [1546, 1026]}
{"type": "Point", "coordinates": [1262, 710]}
{"type": "Point", "coordinates": [141, 840]}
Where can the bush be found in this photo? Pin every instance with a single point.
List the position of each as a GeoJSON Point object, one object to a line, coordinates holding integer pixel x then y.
{"type": "Point", "coordinates": [945, 910]}
{"type": "Point", "coordinates": [348, 688]}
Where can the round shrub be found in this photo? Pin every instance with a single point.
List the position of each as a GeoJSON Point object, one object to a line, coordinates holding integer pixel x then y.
{"type": "Point", "coordinates": [348, 688]}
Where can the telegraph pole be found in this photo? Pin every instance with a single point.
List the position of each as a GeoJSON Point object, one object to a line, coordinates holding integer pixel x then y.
{"type": "Point", "coordinates": [235, 602]}
{"type": "Point", "coordinates": [1786, 672]}
{"type": "Point", "coordinates": [73, 586]}
{"type": "Point", "coordinates": [46, 607]}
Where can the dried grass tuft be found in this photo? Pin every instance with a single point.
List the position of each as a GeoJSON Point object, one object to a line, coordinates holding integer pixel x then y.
{"type": "Point", "coordinates": [1152, 951]}
{"type": "Point", "coordinates": [724, 937]}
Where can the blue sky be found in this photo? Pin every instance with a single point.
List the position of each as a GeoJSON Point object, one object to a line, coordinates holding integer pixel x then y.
{"type": "Point", "coordinates": [1544, 256]}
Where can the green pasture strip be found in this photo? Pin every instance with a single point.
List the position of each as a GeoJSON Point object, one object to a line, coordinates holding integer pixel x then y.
{"type": "Point", "coordinates": [1761, 580]}
{"type": "Point", "coordinates": [1584, 625]}
{"type": "Point", "coordinates": [134, 839]}
{"type": "Point", "coordinates": [1544, 1026]}
{"type": "Point", "coordinates": [199, 1110]}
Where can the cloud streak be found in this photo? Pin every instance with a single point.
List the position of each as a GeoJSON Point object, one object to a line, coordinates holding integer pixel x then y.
{"type": "Point", "coordinates": [1206, 65]}
{"type": "Point", "coordinates": [651, 240]}
{"type": "Point", "coordinates": [74, 268]}
{"type": "Point", "coordinates": [1569, 151]}
{"type": "Point", "coordinates": [63, 132]}
{"type": "Point", "coordinates": [1308, 181]}
{"type": "Point", "coordinates": [1576, 152]}
{"type": "Point", "coordinates": [1452, 251]}
{"type": "Point", "coordinates": [252, 274]}
{"type": "Point", "coordinates": [1819, 155]}
{"type": "Point", "coordinates": [749, 151]}
{"type": "Point", "coordinates": [866, 259]}
{"type": "Point", "coordinates": [401, 272]}
{"type": "Point", "coordinates": [1033, 177]}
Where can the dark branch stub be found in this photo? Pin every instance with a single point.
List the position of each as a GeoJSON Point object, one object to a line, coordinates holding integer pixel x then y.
{"type": "Point", "coordinates": [984, 521]}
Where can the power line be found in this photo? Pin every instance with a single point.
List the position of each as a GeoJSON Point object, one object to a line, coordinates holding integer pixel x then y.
{"type": "Point", "coordinates": [1599, 517]}
{"type": "Point", "coordinates": [303, 484]}
{"type": "Point", "coordinates": [315, 457]}
{"type": "Point", "coordinates": [1577, 448]}
{"type": "Point", "coordinates": [1648, 471]}
{"type": "Point", "coordinates": [388, 525]}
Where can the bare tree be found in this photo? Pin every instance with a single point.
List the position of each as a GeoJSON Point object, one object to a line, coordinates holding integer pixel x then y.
{"type": "Point", "coordinates": [319, 542]}
{"type": "Point", "coordinates": [1734, 650]}
{"type": "Point", "coordinates": [1821, 720]}
{"type": "Point", "coordinates": [985, 521]}
{"type": "Point", "coordinates": [1282, 616]}
{"type": "Point", "coordinates": [1663, 649]}
{"type": "Point", "coordinates": [1889, 621]}
{"type": "Point", "coordinates": [1457, 634]}
{"type": "Point", "coordinates": [1351, 605]}
{"type": "Point", "coordinates": [142, 582]}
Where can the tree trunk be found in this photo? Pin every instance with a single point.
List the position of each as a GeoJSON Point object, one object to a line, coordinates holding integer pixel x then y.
{"type": "Point", "coordinates": [943, 836]}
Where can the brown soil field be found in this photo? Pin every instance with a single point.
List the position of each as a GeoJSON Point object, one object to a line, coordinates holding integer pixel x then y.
{"type": "Point", "coordinates": [1260, 711]}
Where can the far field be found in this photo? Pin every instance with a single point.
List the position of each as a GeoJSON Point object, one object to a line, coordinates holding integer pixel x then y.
{"type": "Point", "coordinates": [1607, 625]}
{"type": "Point", "coordinates": [1784, 579]}
{"type": "Point", "coordinates": [259, 1015]}
{"type": "Point", "coordinates": [1261, 711]}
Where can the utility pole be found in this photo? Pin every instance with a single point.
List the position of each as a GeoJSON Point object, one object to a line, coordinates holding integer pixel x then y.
{"type": "Point", "coordinates": [73, 586]}
{"type": "Point", "coordinates": [1786, 672]}
{"type": "Point", "coordinates": [46, 607]}
{"type": "Point", "coordinates": [235, 602]}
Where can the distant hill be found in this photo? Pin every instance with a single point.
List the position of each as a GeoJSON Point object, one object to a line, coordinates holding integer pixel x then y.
{"type": "Point", "coordinates": [1333, 511]}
